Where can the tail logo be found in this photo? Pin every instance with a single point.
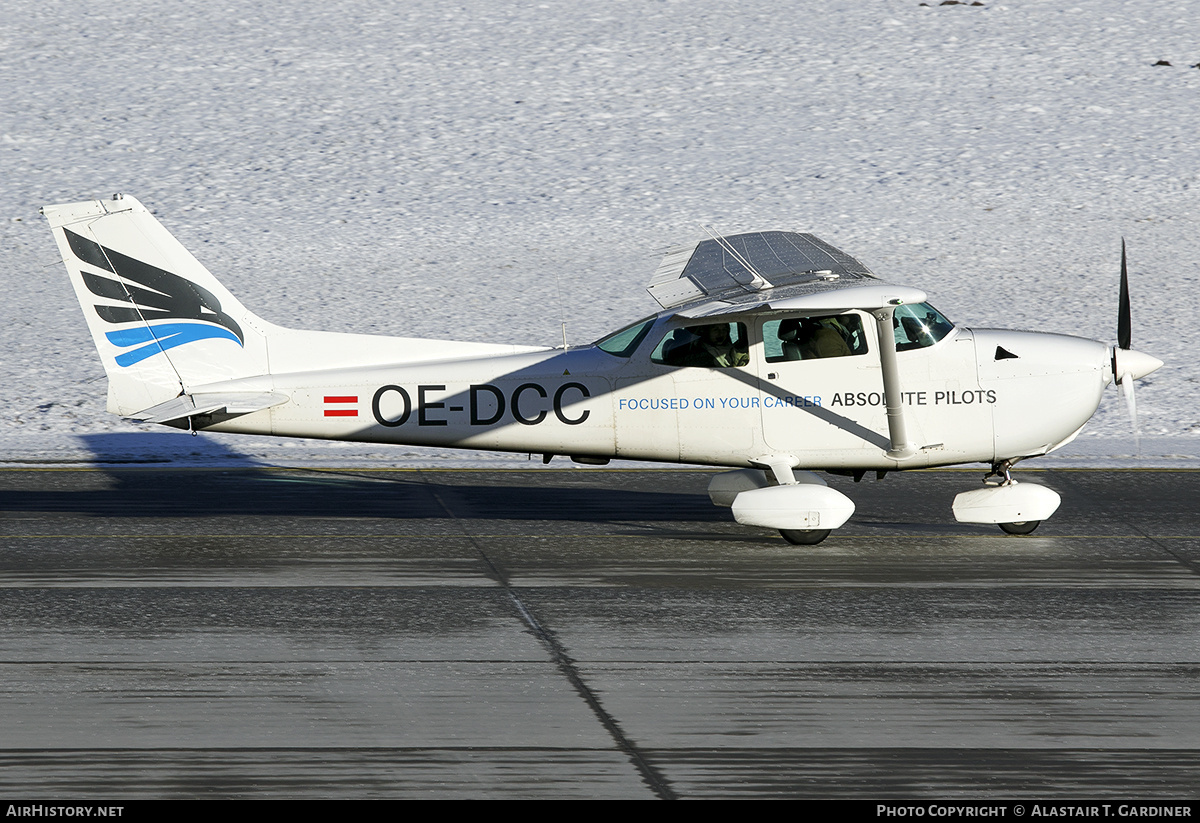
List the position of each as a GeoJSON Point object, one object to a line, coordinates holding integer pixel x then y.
{"type": "Point", "coordinates": [165, 296]}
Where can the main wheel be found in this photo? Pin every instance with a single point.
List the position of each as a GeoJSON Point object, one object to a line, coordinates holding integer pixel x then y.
{"type": "Point", "coordinates": [1024, 527]}
{"type": "Point", "coordinates": [804, 537]}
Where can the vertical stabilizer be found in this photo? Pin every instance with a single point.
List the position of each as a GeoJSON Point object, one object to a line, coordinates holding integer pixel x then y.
{"type": "Point", "coordinates": [160, 321]}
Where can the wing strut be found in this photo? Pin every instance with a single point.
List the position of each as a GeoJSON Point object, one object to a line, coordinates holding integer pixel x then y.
{"type": "Point", "coordinates": [897, 430]}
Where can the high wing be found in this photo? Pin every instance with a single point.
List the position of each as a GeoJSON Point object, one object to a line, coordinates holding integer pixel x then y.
{"type": "Point", "coordinates": [770, 270]}
{"type": "Point", "coordinates": [817, 298]}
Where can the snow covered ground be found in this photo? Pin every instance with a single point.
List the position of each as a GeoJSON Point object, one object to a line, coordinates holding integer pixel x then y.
{"type": "Point", "coordinates": [424, 168]}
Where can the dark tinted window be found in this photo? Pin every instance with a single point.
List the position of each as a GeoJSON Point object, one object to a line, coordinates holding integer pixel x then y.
{"type": "Point", "coordinates": [710, 346]}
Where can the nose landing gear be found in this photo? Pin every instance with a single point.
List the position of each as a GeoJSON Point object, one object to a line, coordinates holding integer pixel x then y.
{"type": "Point", "coordinates": [1017, 508]}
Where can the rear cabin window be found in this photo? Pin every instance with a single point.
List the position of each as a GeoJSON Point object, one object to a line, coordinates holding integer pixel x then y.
{"type": "Point", "coordinates": [813, 338]}
{"type": "Point", "coordinates": [710, 346]}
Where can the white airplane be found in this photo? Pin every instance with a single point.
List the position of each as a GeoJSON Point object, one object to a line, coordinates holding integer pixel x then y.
{"type": "Point", "coordinates": [775, 355]}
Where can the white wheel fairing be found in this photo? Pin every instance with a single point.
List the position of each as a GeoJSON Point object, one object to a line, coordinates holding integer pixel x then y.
{"type": "Point", "coordinates": [1012, 503]}
{"type": "Point", "coordinates": [801, 506]}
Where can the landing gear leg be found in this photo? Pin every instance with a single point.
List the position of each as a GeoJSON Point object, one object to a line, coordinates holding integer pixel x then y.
{"type": "Point", "coordinates": [1001, 470]}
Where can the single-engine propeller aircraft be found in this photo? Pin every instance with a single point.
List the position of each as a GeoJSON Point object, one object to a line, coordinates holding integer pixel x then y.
{"type": "Point", "coordinates": [774, 354]}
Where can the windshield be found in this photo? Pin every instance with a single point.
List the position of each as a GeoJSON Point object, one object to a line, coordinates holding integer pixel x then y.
{"type": "Point", "coordinates": [624, 343]}
{"type": "Point", "coordinates": [918, 326]}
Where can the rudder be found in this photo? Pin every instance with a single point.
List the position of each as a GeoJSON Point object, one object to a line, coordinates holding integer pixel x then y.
{"type": "Point", "coordinates": [160, 321]}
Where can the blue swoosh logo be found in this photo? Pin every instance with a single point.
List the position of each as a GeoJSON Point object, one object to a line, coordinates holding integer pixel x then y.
{"type": "Point", "coordinates": [154, 339]}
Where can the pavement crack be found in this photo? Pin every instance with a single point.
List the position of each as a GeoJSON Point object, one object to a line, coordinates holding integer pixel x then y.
{"type": "Point", "coordinates": [563, 661]}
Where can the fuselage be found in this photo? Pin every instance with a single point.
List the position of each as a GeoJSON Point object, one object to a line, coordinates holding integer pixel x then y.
{"type": "Point", "coordinates": [971, 396]}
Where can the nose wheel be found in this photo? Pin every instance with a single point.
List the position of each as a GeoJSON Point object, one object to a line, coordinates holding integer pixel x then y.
{"type": "Point", "coordinates": [1004, 472]}
{"type": "Point", "coordinates": [1017, 508]}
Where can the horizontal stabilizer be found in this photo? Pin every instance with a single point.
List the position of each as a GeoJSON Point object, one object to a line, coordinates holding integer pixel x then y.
{"type": "Point", "coordinates": [193, 405]}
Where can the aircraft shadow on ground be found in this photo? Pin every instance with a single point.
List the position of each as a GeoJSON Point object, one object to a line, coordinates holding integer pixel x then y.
{"type": "Point", "coordinates": [141, 482]}
{"type": "Point", "coordinates": [148, 475]}
{"type": "Point", "coordinates": [161, 448]}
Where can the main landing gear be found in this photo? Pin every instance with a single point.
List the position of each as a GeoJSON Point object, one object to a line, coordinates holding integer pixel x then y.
{"type": "Point", "coordinates": [804, 537]}
{"type": "Point", "coordinates": [799, 504]}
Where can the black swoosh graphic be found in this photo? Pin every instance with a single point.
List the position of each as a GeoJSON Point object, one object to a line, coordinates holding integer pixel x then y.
{"type": "Point", "coordinates": [166, 295]}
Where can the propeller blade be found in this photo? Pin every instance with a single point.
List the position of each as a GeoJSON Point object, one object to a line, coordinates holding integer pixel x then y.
{"type": "Point", "coordinates": [1124, 323]}
{"type": "Point", "coordinates": [1126, 386]}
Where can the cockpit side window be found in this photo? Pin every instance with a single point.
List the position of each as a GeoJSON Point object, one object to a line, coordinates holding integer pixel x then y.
{"type": "Point", "coordinates": [711, 346]}
{"type": "Point", "coordinates": [624, 343]}
{"type": "Point", "coordinates": [813, 338]}
{"type": "Point", "coordinates": [918, 326]}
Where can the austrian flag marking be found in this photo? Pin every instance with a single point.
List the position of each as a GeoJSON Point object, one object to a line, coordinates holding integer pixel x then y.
{"type": "Point", "coordinates": [337, 401]}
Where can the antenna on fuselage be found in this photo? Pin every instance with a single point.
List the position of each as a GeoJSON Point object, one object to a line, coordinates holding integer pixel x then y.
{"type": "Point", "coordinates": [757, 282]}
{"type": "Point", "coordinates": [562, 308]}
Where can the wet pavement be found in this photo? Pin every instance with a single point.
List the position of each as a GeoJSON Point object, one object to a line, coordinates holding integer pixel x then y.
{"type": "Point", "coordinates": [259, 632]}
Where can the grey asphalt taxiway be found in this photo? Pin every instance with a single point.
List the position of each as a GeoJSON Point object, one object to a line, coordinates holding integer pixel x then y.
{"type": "Point", "coordinates": [257, 632]}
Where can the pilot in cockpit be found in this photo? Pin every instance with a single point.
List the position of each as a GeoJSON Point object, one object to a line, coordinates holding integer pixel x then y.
{"type": "Point", "coordinates": [808, 338]}
{"type": "Point", "coordinates": [715, 348]}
